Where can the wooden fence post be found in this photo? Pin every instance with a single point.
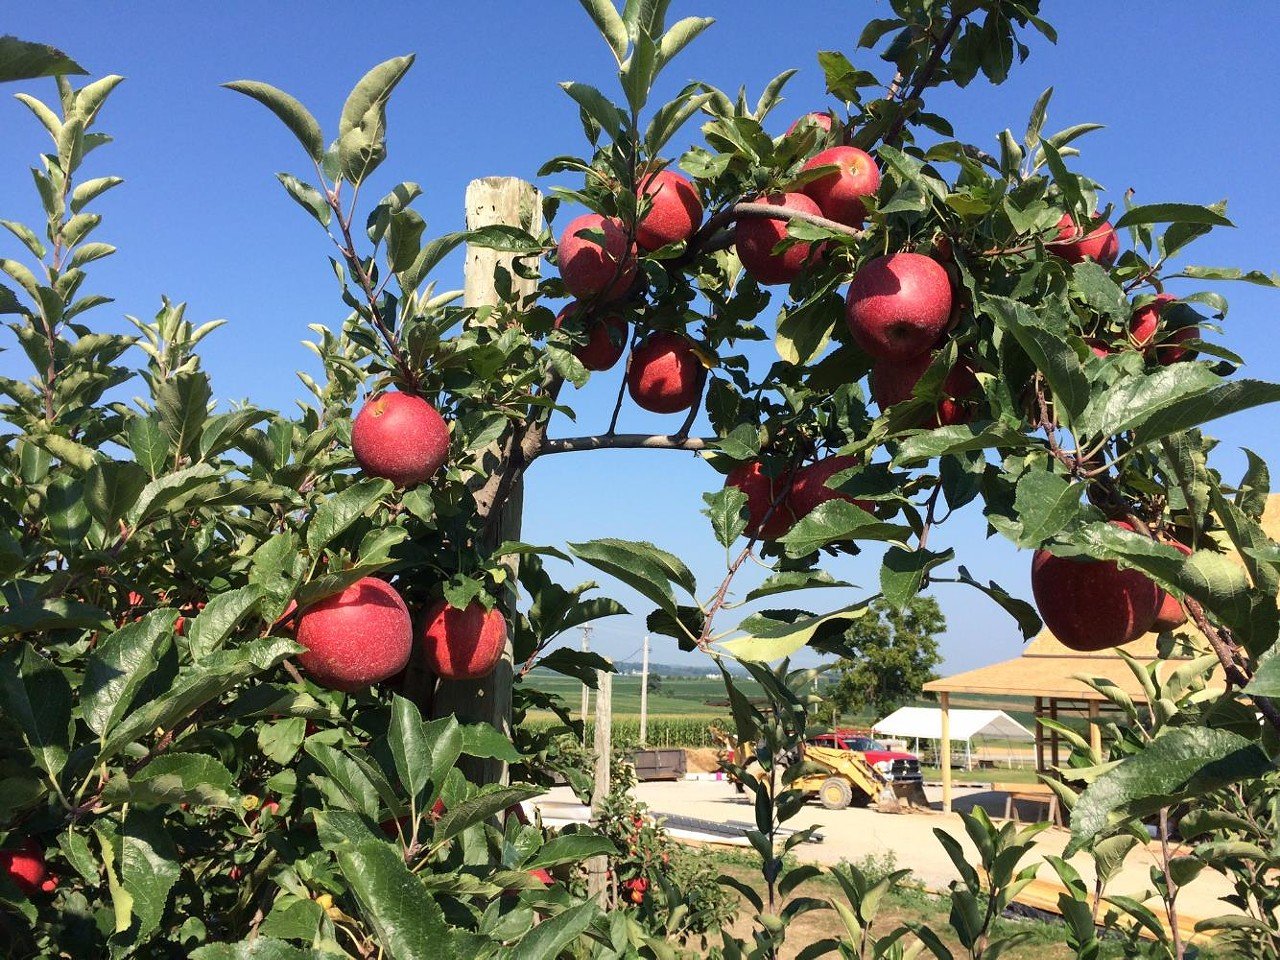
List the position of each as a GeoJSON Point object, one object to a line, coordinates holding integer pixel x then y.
{"type": "Point", "coordinates": [512, 202]}
{"type": "Point", "coordinates": [597, 867]}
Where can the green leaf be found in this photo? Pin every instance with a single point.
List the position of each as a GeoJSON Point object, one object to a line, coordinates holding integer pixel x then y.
{"type": "Point", "coordinates": [196, 686]}
{"type": "Point", "coordinates": [23, 60]}
{"type": "Point", "coordinates": [221, 615]}
{"type": "Point", "coordinates": [260, 948]}
{"type": "Point", "coordinates": [571, 848]}
{"type": "Point", "coordinates": [111, 488]}
{"type": "Point", "coordinates": [36, 698]}
{"type": "Point", "coordinates": [838, 521]}
{"type": "Point", "coordinates": [166, 491]}
{"type": "Point", "coordinates": [609, 23]}
{"type": "Point", "coordinates": [1046, 504]}
{"type": "Point", "coordinates": [1220, 401]}
{"type": "Point", "coordinates": [410, 749]}
{"type": "Point", "coordinates": [174, 778]}
{"type": "Point", "coordinates": [1134, 400]}
{"type": "Point", "coordinates": [774, 639]}
{"type": "Point", "coordinates": [362, 129]}
{"type": "Point", "coordinates": [485, 740]}
{"type": "Point", "coordinates": [1184, 762]}
{"type": "Point", "coordinates": [307, 197]}
{"type": "Point", "coordinates": [1172, 213]}
{"type": "Point", "coordinates": [1231, 273]}
{"type": "Point", "coordinates": [182, 401]}
{"type": "Point", "coordinates": [596, 106]}
{"type": "Point", "coordinates": [724, 510]}
{"type": "Point", "coordinates": [504, 238]}
{"type": "Point", "coordinates": [1266, 681]}
{"type": "Point", "coordinates": [1024, 613]}
{"type": "Point", "coordinates": [641, 566]}
{"type": "Point", "coordinates": [339, 512]}
{"type": "Point", "coordinates": [787, 580]}
{"type": "Point", "coordinates": [65, 509]}
{"type": "Point", "coordinates": [120, 665]}
{"type": "Point", "coordinates": [903, 571]}
{"type": "Point", "coordinates": [682, 33]}
{"type": "Point", "coordinates": [294, 115]}
{"type": "Point", "coordinates": [1045, 337]}
{"type": "Point", "coordinates": [551, 937]}
{"type": "Point", "coordinates": [919, 448]}
{"type": "Point", "coordinates": [149, 445]}
{"type": "Point", "coordinates": [148, 868]}
{"type": "Point", "coordinates": [488, 802]}
{"type": "Point", "coordinates": [351, 779]}
{"type": "Point", "coordinates": [405, 919]}
{"type": "Point", "coordinates": [44, 615]}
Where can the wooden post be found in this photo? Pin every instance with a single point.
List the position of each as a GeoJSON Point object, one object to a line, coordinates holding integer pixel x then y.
{"type": "Point", "coordinates": [586, 691]}
{"type": "Point", "coordinates": [598, 867]}
{"type": "Point", "coordinates": [512, 202]}
{"type": "Point", "coordinates": [644, 694]}
{"type": "Point", "coordinates": [944, 750]}
{"type": "Point", "coordinates": [1095, 728]}
{"type": "Point", "coordinates": [1053, 734]}
{"type": "Point", "coordinates": [1039, 712]}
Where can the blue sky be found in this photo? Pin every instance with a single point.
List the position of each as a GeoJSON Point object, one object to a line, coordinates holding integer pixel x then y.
{"type": "Point", "coordinates": [1187, 92]}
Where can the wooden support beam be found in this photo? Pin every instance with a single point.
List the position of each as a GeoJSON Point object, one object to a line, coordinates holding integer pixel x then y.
{"type": "Point", "coordinates": [598, 867]}
{"type": "Point", "coordinates": [945, 751]}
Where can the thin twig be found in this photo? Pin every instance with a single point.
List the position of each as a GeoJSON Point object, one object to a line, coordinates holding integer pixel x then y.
{"type": "Point", "coordinates": [627, 441]}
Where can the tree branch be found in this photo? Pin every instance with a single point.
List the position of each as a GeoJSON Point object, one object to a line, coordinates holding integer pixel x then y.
{"type": "Point", "coordinates": [923, 77]}
{"type": "Point", "coordinates": [627, 441]}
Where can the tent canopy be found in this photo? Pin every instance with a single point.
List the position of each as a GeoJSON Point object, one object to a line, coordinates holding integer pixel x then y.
{"type": "Point", "coordinates": [926, 724]}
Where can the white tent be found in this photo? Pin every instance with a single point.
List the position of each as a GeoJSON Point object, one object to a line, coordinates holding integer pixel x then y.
{"type": "Point", "coordinates": [925, 723]}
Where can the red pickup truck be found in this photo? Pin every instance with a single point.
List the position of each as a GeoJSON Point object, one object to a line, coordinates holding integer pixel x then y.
{"type": "Point", "coordinates": [893, 765]}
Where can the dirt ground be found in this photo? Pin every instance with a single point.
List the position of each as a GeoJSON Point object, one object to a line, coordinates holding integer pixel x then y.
{"type": "Point", "coordinates": [701, 760]}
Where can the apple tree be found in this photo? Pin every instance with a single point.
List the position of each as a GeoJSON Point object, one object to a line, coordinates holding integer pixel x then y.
{"type": "Point", "coordinates": [262, 674]}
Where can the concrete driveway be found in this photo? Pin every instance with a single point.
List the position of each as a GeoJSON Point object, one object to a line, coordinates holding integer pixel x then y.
{"type": "Point", "coordinates": [853, 834]}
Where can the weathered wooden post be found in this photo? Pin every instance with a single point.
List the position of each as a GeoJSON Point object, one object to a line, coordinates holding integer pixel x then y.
{"type": "Point", "coordinates": [511, 202]}
{"type": "Point", "coordinates": [598, 867]}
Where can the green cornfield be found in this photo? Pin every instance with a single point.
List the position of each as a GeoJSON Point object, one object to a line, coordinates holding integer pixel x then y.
{"type": "Point", "coordinates": [663, 731]}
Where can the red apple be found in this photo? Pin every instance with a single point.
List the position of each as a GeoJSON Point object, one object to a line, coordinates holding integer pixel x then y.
{"type": "Point", "coordinates": [823, 119]}
{"type": "Point", "coordinates": [1100, 244]}
{"type": "Point", "coordinates": [400, 437]}
{"type": "Point", "coordinates": [1145, 322]}
{"type": "Point", "coordinates": [590, 270]}
{"type": "Point", "coordinates": [675, 213]}
{"type": "Point", "coordinates": [541, 875]}
{"type": "Point", "coordinates": [25, 866]}
{"type": "Point", "coordinates": [357, 637]}
{"type": "Point", "coordinates": [463, 644]}
{"type": "Point", "coordinates": [898, 306]}
{"type": "Point", "coordinates": [606, 338]}
{"type": "Point", "coordinates": [1172, 349]}
{"type": "Point", "coordinates": [757, 236]}
{"type": "Point", "coordinates": [809, 488]}
{"type": "Point", "coordinates": [763, 491]}
{"type": "Point", "coordinates": [1093, 605]}
{"type": "Point", "coordinates": [1099, 348]}
{"type": "Point", "coordinates": [839, 195]}
{"type": "Point", "coordinates": [1171, 615]}
{"type": "Point", "coordinates": [664, 374]}
{"type": "Point", "coordinates": [895, 382]}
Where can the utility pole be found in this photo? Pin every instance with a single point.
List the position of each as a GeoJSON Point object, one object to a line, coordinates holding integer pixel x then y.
{"type": "Point", "coordinates": [644, 694]}
{"type": "Point", "coordinates": [586, 691]}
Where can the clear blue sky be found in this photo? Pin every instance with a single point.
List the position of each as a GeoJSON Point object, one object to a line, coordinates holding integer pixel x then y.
{"type": "Point", "coordinates": [1187, 91]}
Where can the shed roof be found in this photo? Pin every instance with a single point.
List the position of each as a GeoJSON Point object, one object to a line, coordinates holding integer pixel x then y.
{"type": "Point", "coordinates": [1049, 669]}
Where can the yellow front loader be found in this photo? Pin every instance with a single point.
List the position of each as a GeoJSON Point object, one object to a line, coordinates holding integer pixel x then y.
{"type": "Point", "coordinates": [844, 777]}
